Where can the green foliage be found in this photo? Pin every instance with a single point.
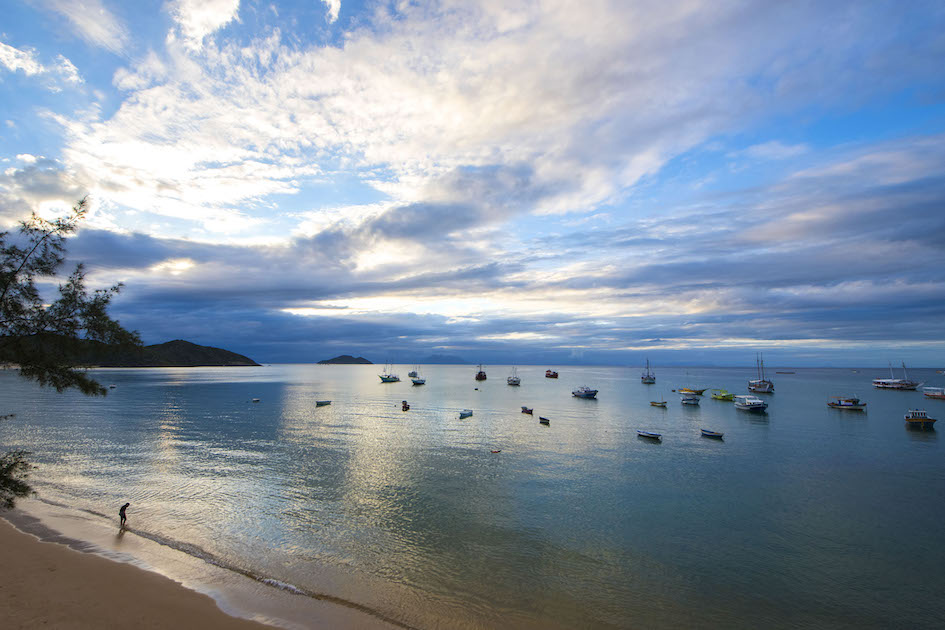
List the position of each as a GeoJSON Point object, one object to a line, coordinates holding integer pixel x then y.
{"type": "Point", "coordinates": [40, 338]}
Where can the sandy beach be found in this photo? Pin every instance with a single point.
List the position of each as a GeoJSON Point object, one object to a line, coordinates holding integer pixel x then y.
{"type": "Point", "coordinates": [47, 584]}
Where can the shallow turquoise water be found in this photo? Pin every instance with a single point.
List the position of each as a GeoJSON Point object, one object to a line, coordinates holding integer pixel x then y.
{"type": "Point", "coordinates": [805, 516]}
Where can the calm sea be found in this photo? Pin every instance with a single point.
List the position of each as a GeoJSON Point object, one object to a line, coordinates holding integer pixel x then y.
{"type": "Point", "coordinates": [802, 517]}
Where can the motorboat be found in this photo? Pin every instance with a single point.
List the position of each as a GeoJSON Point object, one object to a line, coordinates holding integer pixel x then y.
{"type": "Point", "coordinates": [722, 394]}
{"type": "Point", "coordinates": [322, 403]}
{"type": "Point", "coordinates": [481, 374]}
{"type": "Point", "coordinates": [760, 385]}
{"type": "Point", "coordinates": [648, 378]}
{"type": "Point", "coordinates": [551, 374]}
{"type": "Point", "coordinates": [584, 392]}
{"type": "Point", "coordinates": [919, 419]}
{"type": "Point", "coordinates": [689, 399]}
{"type": "Point", "coordinates": [896, 383]}
{"type": "Point", "coordinates": [513, 378]}
{"type": "Point", "coordinates": [934, 392]}
{"type": "Point", "coordinates": [649, 435]}
{"type": "Point", "coordinates": [711, 434]}
{"type": "Point", "coordinates": [750, 403]}
{"type": "Point", "coordinates": [850, 403]}
{"type": "Point", "coordinates": [528, 410]}
{"type": "Point", "coordinates": [465, 413]}
{"type": "Point", "coordinates": [388, 376]}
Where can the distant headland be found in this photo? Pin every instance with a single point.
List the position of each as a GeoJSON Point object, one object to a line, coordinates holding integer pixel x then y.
{"type": "Point", "coordinates": [345, 359]}
{"type": "Point", "coordinates": [177, 353]}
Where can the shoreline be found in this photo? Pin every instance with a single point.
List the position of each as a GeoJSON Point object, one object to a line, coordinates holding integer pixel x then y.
{"type": "Point", "coordinates": [49, 583]}
{"type": "Point", "coordinates": [68, 568]}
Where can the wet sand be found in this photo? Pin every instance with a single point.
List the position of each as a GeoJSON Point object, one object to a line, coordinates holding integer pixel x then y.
{"type": "Point", "coordinates": [47, 584]}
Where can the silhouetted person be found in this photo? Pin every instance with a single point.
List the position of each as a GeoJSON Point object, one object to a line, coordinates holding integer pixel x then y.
{"type": "Point", "coordinates": [121, 513]}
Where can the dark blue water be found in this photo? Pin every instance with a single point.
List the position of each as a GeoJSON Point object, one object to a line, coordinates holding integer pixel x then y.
{"type": "Point", "coordinates": [804, 516]}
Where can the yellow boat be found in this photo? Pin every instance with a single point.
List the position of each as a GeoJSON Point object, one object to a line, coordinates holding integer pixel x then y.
{"type": "Point", "coordinates": [722, 394]}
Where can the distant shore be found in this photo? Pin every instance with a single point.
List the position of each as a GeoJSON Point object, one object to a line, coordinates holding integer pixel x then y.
{"type": "Point", "coordinates": [47, 584]}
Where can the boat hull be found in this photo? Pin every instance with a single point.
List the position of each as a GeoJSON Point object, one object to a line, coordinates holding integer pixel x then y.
{"type": "Point", "coordinates": [711, 434]}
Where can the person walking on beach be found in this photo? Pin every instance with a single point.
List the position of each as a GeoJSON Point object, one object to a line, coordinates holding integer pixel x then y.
{"type": "Point", "coordinates": [121, 513]}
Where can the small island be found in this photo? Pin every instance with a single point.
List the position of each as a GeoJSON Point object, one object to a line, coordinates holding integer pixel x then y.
{"type": "Point", "coordinates": [345, 359]}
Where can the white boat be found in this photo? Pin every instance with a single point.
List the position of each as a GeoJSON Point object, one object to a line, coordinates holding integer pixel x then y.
{"type": "Point", "coordinates": [750, 403]}
{"type": "Point", "coordinates": [322, 403]}
{"type": "Point", "coordinates": [465, 413]}
{"type": "Point", "coordinates": [919, 419]}
{"type": "Point", "coordinates": [513, 378]}
{"type": "Point", "coordinates": [761, 384]}
{"type": "Point", "coordinates": [896, 383]}
{"type": "Point", "coordinates": [418, 381]}
{"type": "Point", "coordinates": [851, 403]}
{"type": "Point", "coordinates": [712, 434]}
{"type": "Point", "coordinates": [934, 392]}
{"type": "Point", "coordinates": [689, 399]}
{"type": "Point", "coordinates": [255, 400]}
{"type": "Point", "coordinates": [649, 435]}
{"type": "Point", "coordinates": [647, 378]}
{"type": "Point", "coordinates": [388, 376]}
{"type": "Point", "coordinates": [584, 392]}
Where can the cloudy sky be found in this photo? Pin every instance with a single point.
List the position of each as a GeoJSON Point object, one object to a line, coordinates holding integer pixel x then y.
{"type": "Point", "coordinates": [520, 182]}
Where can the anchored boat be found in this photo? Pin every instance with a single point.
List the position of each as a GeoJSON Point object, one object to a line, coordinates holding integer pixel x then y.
{"type": "Point", "coordinates": [851, 404]}
{"type": "Point", "coordinates": [919, 419]}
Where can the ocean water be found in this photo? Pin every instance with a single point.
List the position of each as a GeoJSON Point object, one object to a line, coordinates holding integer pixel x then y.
{"type": "Point", "coordinates": [801, 517]}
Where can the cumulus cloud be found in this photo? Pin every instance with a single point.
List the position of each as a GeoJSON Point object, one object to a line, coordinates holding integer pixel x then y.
{"type": "Point", "coordinates": [199, 18]}
{"type": "Point", "coordinates": [94, 23]}
{"type": "Point", "coordinates": [334, 7]}
{"type": "Point", "coordinates": [25, 60]}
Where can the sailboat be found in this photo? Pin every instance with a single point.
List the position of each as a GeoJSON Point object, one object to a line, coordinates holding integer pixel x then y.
{"type": "Point", "coordinates": [513, 378]}
{"type": "Point", "coordinates": [761, 384]}
{"type": "Point", "coordinates": [388, 376]}
{"type": "Point", "coordinates": [648, 378]}
{"type": "Point", "coordinates": [417, 378]}
{"type": "Point", "coordinates": [481, 374]}
{"type": "Point", "coordinates": [896, 383]}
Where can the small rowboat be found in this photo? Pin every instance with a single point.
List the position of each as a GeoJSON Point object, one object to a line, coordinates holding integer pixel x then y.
{"type": "Point", "coordinates": [405, 406]}
{"type": "Point", "coordinates": [711, 434]}
{"type": "Point", "coordinates": [465, 413]}
{"type": "Point", "coordinates": [689, 390]}
{"type": "Point", "coordinates": [658, 403]}
{"type": "Point", "coordinates": [322, 403]}
{"type": "Point", "coordinates": [649, 435]}
{"type": "Point", "coordinates": [527, 410]}
{"type": "Point", "coordinates": [543, 420]}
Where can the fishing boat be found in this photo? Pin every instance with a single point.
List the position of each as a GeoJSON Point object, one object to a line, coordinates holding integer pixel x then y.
{"type": "Point", "coordinates": [689, 390]}
{"type": "Point", "coordinates": [760, 385]}
{"type": "Point", "coordinates": [722, 394]}
{"type": "Point", "coordinates": [711, 434]}
{"type": "Point", "coordinates": [543, 420]}
{"type": "Point", "coordinates": [388, 376]}
{"type": "Point", "coordinates": [919, 419]}
{"type": "Point", "coordinates": [647, 378]}
{"type": "Point", "coordinates": [465, 413]}
{"type": "Point", "coordinates": [513, 378]}
{"type": "Point", "coordinates": [649, 435]}
{"type": "Point", "coordinates": [689, 399]}
{"type": "Point", "coordinates": [322, 403]}
{"type": "Point", "coordinates": [419, 381]}
{"type": "Point", "coordinates": [528, 410]}
{"type": "Point", "coordinates": [255, 400]}
{"type": "Point", "coordinates": [934, 392]}
{"type": "Point", "coordinates": [750, 403]}
{"type": "Point", "coordinates": [658, 403]}
{"type": "Point", "coordinates": [551, 374]}
{"type": "Point", "coordinates": [850, 403]}
{"type": "Point", "coordinates": [896, 383]}
{"type": "Point", "coordinates": [481, 374]}
{"type": "Point", "coordinates": [413, 373]}
{"type": "Point", "coordinates": [584, 392]}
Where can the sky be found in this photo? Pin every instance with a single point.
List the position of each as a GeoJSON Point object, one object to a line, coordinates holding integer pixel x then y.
{"type": "Point", "coordinates": [534, 182]}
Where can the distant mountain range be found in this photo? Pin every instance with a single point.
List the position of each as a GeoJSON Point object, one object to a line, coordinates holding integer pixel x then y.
{"type": "Point", "coordinates": [345, 359]}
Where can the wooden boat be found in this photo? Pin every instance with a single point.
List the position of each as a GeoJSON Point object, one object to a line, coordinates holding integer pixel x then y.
{"type": "Point", "coordinates": [934, 392]}
{"type": "Point", "coordinates": [465, 413]}
{"type": "Point", "coordinates": [722, 394]}
{"type": "Point", "coordinates": [689, 399]}
{"type": "Point", "coordinates": [498, 451]}
{"type": "Point", "coordinates": [919, 419]}
{"type": "Point", "coordinates": [647, 378]}
{"type": "Point", "coordinates": [658, 403]}
{"type": "Point", "coordinates": [388, 376]}
{"type": "Point", "coordinates": [551, 374]}
{"type": "Point", "coordinates": [760, 385]}
{"type": "Point", "coordinates": [649, 435]}
{"type": "Point", "coordinates": [322, 403]}
{"type": "Point", "coordinates": [481, 374]}
{"type": "Point", "coordinates": [689, 390]}
{"type": "Point", "coordinates": [405, 405]}
{"type": "Point", "coordinates": [851, 403]}
{"type": "Point", "coordinates": [903, 383]}
{"type": "Point", "coordinates": [711, 434]}
{"type": "Point", "coordinates": [543, 420]}
{"type": "Point", "coordinates": [527, 410]}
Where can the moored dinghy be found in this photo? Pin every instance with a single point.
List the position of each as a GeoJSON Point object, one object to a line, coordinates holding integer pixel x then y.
{"type": "Point", "coordinates": [322, 403]}
{"type": "Point", "coordinates": [528, 410]}
{"type": "Point", "coordinates": [711, 434]}
{"type": "Point", "coordinates": [649, 435]}
{"type": "Point", "coordinates": [465, 413]}
{"type": "Point", "coordinates": [543, 420]}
